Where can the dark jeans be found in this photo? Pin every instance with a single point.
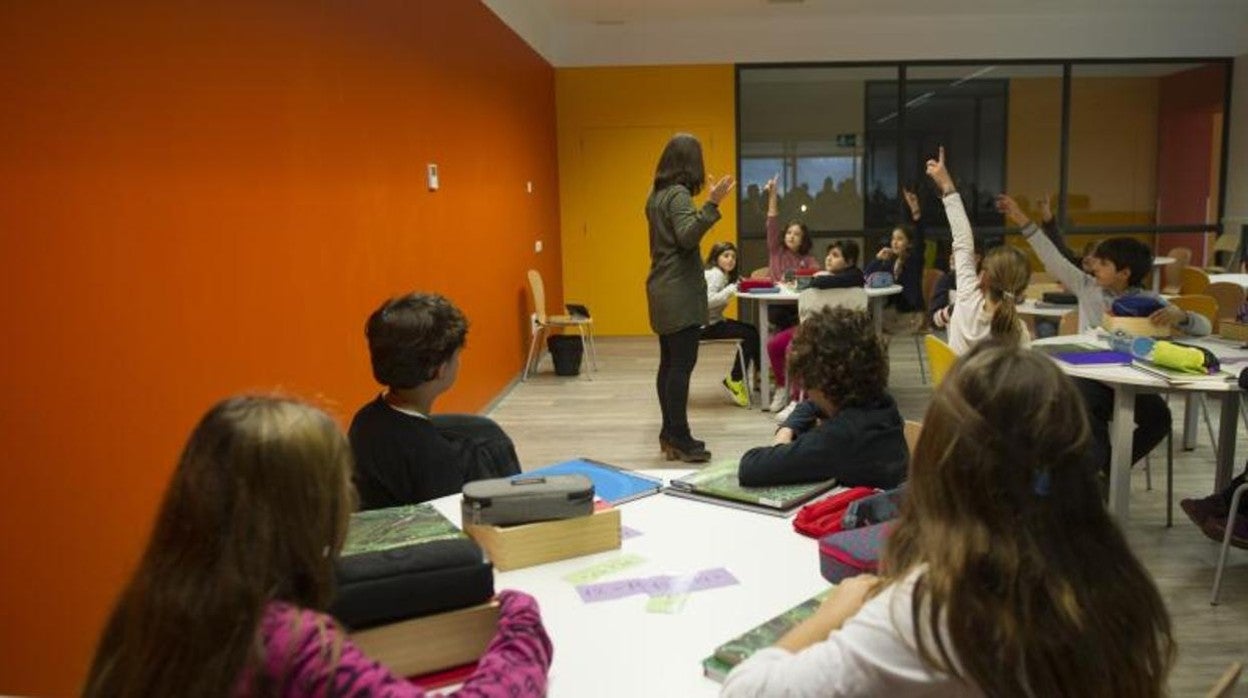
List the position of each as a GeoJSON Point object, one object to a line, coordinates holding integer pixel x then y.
{"type": "Point", "coordinates": [487, 451]}
{"type": "Point", "coordinates": [781, 316]}
{"type": "Point", "coordinates": [1152, 422]}
{"type": "Point", "coordinates": [678, 354]}
{"type": "Point", "coordinates": [735, 329]}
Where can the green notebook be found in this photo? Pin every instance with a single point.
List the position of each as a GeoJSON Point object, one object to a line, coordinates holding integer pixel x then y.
{"type": "Point", "coordinates": [736, 650]}
{"type": "Point", "coordinates": [718, 484]}
{"type": "Point", "coordinates": [382, 529]}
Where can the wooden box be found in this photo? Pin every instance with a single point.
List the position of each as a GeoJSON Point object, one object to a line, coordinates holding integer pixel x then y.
{"type": "Point", "coordinates": [1233, 329]}
{"type": "Point", "coordinates": [1138, 326]}
{"type": "Point", "coordinates": [525, 545]}
{"type": "Point", "coordinates": [431, 643]}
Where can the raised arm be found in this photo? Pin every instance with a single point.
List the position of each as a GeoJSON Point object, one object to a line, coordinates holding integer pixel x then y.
{"type": "Point", "coordinates": [1048, 224]}
{"type": "Point", "coordinates": [1062, 269]}
{"type": "Point", "coordinates": [775, 237]}
{"type": "Point", "coordinates": [959, 225]}
{"type": "Point", "coordinates": [690, 223]}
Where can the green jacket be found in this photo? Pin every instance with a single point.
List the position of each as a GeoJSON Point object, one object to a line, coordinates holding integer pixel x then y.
{"type": "Point", "coordinates": [676, 287]}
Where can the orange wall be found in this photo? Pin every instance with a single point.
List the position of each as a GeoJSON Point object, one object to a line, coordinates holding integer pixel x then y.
{"type": "Point", "coordinates": [203, 198]}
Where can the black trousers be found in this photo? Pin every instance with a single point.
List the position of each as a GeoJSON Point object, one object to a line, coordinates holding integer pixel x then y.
{"type": "Point", "coordinates": [678, 354]}
{"type": "Point", "coordinates": [1152, 422]}
{"type": "Point", "coordinates": [735, 329]}
{"type": "Point", "coordinates": [486, 450]}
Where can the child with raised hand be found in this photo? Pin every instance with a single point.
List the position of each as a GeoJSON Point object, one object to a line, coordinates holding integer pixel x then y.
{"type": "Point", "coordinates": [850, 428]}
{"type": "Point", "coordinates": [985, 297]}
{"type": "Point", "coordinates": [405, 454]}
{"type": "Point", "coordinates": [994, 579]}
{"type": "Point", "coordinates": [1118, 268]}
{"type": "Point", "coordinates": [721, 286]}
{"type": "Point", "coordinates": [229, 597]}
{"type": "Point", "coordinates": [787, 251]}
{"type": "Point", "coordinates": [903, 258]}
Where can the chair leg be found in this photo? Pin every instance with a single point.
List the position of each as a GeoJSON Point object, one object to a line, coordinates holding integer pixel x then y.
{"type": "Point", "coordinates": [528, 364]}
{"type": "Point", "coordinates": [1170, 478]}
{"type": "Point", "coordinates": [593, 347]}
{"type": "Point", "coordinates": [1148, 474]}
{"type": "Point", "coordinates": [918, 351]}
{"type": "Point", "coordinates": [1204, 410]}
{"type": "Point", "coordinates": [1243, 409]}
{"type": "Point", "coordinates": [584, 350]}
{"type": "Point", "coordinates": [1226, 543]}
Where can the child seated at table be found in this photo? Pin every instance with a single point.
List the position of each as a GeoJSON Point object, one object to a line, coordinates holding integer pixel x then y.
{"type": "Point", "coordinates": [403, 453]}
{"type": "Point", "coordinates": [850, 428]}
{"type": "Point", "coordinates": [229, 598]}
{"type": "Point", "coordinates": [1118, 268]}
{"type": "Point", "coordinates": [1003, 576]}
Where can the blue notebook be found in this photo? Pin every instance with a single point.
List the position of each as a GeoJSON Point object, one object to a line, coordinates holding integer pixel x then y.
{"type": "Point", "coordinates": [613, 484]}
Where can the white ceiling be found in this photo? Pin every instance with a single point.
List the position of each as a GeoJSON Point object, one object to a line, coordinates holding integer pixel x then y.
{"type": "Point", "coordinates": [650, 32]}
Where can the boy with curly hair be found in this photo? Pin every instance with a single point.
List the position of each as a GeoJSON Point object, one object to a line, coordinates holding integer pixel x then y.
{"type": "Point", "coordinates": [403, 453]}
{"type": "Point", "coordinates": [850, 428]}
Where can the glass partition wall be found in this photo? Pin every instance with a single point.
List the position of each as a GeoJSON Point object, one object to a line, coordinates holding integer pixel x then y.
{"type": "Point", "coordinates": [1113, 147]}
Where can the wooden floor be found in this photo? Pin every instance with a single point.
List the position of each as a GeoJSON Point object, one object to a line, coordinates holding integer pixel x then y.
{"type": "Point", "coordinates": [615, 418]}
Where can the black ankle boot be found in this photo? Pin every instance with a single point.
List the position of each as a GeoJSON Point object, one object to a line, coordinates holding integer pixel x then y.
{"type": "Point", "coordinates": [666, 442]}
{"type": "Point", "coordinates": [688, 450]}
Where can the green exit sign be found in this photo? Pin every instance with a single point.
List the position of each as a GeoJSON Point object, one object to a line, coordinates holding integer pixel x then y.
{"type": "Point", "coordinates": [847, 140]}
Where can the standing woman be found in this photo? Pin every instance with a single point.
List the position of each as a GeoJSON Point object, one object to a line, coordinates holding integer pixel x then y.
{"type": "Point", "coordinates": [676, 287]}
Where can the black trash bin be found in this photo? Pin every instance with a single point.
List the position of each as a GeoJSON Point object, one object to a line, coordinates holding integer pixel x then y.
{"type": "Point", "coordinates": [566, 351]}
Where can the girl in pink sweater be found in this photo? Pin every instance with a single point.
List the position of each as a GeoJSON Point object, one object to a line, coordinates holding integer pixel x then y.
{"type": "Point", "coordinates": [227, 598]}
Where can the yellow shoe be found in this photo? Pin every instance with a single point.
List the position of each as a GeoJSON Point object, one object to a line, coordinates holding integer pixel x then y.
{"type": "Point", "coordinates": [737, 390]}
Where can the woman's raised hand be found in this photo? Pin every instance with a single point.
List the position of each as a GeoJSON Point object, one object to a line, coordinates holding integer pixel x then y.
{"type": "Point", "coordinates": [721, 188]}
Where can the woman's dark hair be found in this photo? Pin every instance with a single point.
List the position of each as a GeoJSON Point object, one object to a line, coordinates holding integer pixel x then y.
{"type": "Point", "coordinates": [849, 251]}
{"type": "Point", "coordinates": [803, 248]}
{"type": "Point", "coordinates": [681, 163]}
{"type": "Point", "coordinates": [837, 351]}
{"type": "Point", "coordinates": [712, 258]}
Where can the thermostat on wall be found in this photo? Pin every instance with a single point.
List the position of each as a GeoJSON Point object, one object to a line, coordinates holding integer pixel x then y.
{"type": "Point", "coordinates": [432, 176]}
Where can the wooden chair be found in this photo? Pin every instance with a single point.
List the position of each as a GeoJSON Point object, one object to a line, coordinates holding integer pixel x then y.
{"type": "Point", "coordinates": [1069, 324]}
{"type": "Point", "coordinates": [811, 300]}
{"type": "Point", "coordinates": [1192, 281]}
{"type": "Point", "coordinates": [941, 357]}
{"type": "Point", "coordinates": [542, 323]}
{"type": "Point", "coordinates": [912, 432]}
{"type": "Point", "coordinates": [1229, 297]}
{"type": "Point", "coordinates": [1172, 274]}
{"type": "Point", "coordinates": [1225, 687]}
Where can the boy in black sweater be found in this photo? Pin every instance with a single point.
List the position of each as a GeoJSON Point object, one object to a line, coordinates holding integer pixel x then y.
{"type": "Point", "coordinates": [850, 428]}
{"type": "Point", "coordinates": [404, 454]}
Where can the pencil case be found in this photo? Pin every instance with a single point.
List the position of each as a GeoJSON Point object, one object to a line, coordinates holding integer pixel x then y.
{"type": "Point", "coordinates": [874, 509]}
{"type": "Point", "coordinates": [517, 500]}
{"type": "Point", "coordinates": [853, 552]}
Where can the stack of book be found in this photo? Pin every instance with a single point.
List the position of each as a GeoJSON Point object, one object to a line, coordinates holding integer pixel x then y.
{"type": "Point", "coordinates": [738, 649]}
{"type": "Point", "coordinates": [718, 484]}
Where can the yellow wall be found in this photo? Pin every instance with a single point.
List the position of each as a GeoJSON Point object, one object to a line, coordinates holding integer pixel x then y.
{"type": "Point", "coordinates": [612, 126]}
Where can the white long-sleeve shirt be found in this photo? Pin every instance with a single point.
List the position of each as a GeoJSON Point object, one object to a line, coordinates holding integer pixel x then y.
{"type": "Point", "coordinates": [873, 654]}
{"type": "Point", "coordinates": [718, 293]}
{"type": "Point", "coordinates": [970, 321]}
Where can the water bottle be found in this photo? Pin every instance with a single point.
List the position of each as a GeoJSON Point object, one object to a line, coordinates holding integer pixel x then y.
{"type": "Point", "coordinates": [1137, 347]}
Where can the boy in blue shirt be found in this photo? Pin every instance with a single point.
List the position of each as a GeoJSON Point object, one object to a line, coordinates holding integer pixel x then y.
{"type": "Point", "coordinates": [1118, 267]}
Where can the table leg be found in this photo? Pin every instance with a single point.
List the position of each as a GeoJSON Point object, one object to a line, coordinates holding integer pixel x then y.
{"type": "Point", "coordinates": [877, 314]}
{"type": "Point", "coordinates": [1120, 433]}
{"type": "Point", "coordinates": [1227, 429]}
{"type": "Point", "coordinates": [1191, 421]}
{"type": "Point", "coordinates": [764, 361]}
{"type": "Point", "coordinates": [1156, 279]}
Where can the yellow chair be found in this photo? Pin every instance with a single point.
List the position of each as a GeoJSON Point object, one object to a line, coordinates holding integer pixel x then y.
{"type": "Point", "coordinates": [543, 322]}
{"type": "Point", "coordinates": [941, 357]}
{"type": "Point", "coordinates": [1198, 303]}
{"type": "Point", "coordinates": [912, 432]}
{"type": "Point", "coordinates": [1192, 281]}
{"type": "Point", "coordinates": [1172, 274]}
{"type": "Point", "coordinates": [1229, 297]}
{"type": "Point", "coordinates": [1225, 687]}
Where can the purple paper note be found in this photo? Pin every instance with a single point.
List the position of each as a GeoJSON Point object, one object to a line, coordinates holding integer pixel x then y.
{"type": "Point", "coordinates": [626, 532]}
{"type": "Point", "coordinates": [658, 585]}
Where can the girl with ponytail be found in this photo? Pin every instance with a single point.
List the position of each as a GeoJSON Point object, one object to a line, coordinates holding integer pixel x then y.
{"type": "Point", "coordinates": [987, 299]}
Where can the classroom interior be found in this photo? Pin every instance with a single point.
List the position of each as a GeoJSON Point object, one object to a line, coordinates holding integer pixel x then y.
{"type": "Point", "coordinates": [203, 199]}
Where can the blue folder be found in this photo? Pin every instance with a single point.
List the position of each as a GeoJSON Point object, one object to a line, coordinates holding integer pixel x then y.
{"type": "Point", "coordinates": [613, 484]}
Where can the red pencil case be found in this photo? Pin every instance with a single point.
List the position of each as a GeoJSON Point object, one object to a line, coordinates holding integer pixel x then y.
{"type": "Point", "coordinates": [851, 553]}
{"type": "Point", "coordinates": [825, 516]}
{"type": "Point", "coordinates": [753, 284]}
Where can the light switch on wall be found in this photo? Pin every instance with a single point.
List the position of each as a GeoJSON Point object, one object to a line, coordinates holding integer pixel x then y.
{"type": "Point", "coordinates": [432, 176]}
{"type": "Point", "coordinates": [537, 246]}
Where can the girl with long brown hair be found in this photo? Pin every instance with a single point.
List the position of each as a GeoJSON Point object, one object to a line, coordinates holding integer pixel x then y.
{"type": "Point", "coordinates": [226, 599]}
{"type": "Point", "coordinates": [986, 300]}
{"type": "Point", "coordinates": [1004, 575]}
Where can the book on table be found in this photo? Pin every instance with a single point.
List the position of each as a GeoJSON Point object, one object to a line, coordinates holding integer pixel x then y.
{"type": "Point", "coordinates": [1176, 376]}
{"type": "Point", "coordinates": [612, 484]}
{"type": "Point", "coordinates": [382, 529]}
{"type": "Point", "coordinates": [738, 649]}
{"type": "Point", "coordinates": [718, 484]}
{"type": "Point", "coordinates": [1085, 354]}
